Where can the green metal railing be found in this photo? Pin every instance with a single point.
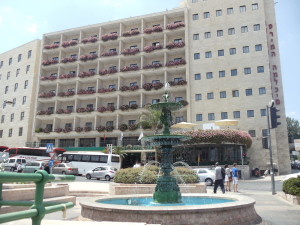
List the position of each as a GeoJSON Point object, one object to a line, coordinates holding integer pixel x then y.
{"type": "Point", "coordinates": [38, 208]}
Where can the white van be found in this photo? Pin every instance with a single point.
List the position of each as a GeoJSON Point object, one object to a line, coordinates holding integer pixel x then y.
{"type": "Point", "coordinates": [11, 164]}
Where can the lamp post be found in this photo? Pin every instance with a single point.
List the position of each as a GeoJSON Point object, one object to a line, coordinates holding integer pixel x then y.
{"type": "Point", "coordinates": [270, 147]}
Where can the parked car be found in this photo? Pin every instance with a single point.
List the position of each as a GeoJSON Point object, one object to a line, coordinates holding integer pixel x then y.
{"type": "Point", "coordinates": [102, 172]}
{"type": "Point", "coordinates": [295, 175]}
{"type": "Point", "coordinates": [206, 175]}
{"type": "Point", "coordinates": [33, 166]}
{"type": "Point", "coordinates": [65, 168]}
{"type": "Point", "coordinates": [11, 164]}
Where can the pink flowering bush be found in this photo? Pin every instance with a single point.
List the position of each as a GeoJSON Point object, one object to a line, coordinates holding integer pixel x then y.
{"type": "Point", "coordinates": [124, 107]}
{"type": "Point", "coordinates": [176, 63]}
{"type": "Point", "coordinates": [130, 51]}
{"type": "Point", "coordinates": [148, 86]}
{"type": "Point", "coordinates": [79, 129]}
{"type": "Point", "coordinates": [86, 74]}
{"type": "Point", "coordinates": [152, 66]}
{"type": "Point", "coordinates": [66, 44]}
{"type": "Point", "coordinates": [82, 110]}
{"type": "Point", "coordinates": [109, 128]}
{"type": "Point", "coordinates": [45, 112]}
{"type": "Point", "coordinates": [100, 128]}
{"type": "Point", "coordinates": [90, 39]}
{"type": "Point", "coordinates": [58, 130]}
{"type": "Point", "coordinates": [67, 130]}
{"type": "Point", "coordinates": [87, 129]}
{"type": "Point", "coordinates": [112, 53]}
{"type": "Point", "coordinates": [49, 62]}
{"type": "Point", "coordinates": [133, 106]}
{"type": "Point", "coordinates": [151, 48]}
{"type": "Point", "coordinates": [108, 71]}
{"type": "Point", "coordinates": [123, 127]}
{"type": "Point", "coordinates": [105, 90]}
{"type": "Point", "coordinates": [66, 94]}
{"type": "Point", "coordinates": [171, 45]}
{"type": "Point", "coordinates": [133, 127]}
{"type": "Point", "coordinates": [129, 68]}
{"type": "Point", "coordinates": [184, 102]}
{"type": "Point", "coordinates": [153, 29]}
{"type": "Point", "coordinates": [218, 137]}
{"type": "Point", "coordinates": [130, 33]}
{"type": "Point", "coordinates": [52, 46]}
{"type": "Point", "coordinates": [107, 37]}
{"type": "Point", "coordinates": [158, 85]}
{"type": "Point", "coordinates": [67, 76]}
{"type": "Point", "coordinates": [181, 82]}
{"type": "Point", "coordinates": [88, 57]}
{"type": "Point", "coordinates": [85, 92]}
{"type": "Point", "coordinates": [173, 26]}
{"type": "Point", "coordinates": [66, 60]}
{"type": "Point", "coordinates": [49, 94]}
{"type": "Point", "coordinates": [101, 109]}
{"type": "Point", "coordinates": [51, 78]}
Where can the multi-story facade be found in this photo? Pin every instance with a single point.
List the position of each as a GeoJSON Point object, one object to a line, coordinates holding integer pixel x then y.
{"type": "Point", "coordinates": [220, 57]}
{"type": "Point", "coordinates": [19, 69]}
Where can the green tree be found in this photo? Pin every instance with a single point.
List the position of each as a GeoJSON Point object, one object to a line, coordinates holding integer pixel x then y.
{"type": "Point", "coordinates": [293, 129]}
{"type": "Point", "coordinates": [118, 150]}
{"type": "Point", "coordinates": [151, 120]}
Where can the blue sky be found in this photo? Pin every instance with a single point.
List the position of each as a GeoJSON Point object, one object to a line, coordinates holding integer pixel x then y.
{"type": "Point", "coordinates": [25, 20]}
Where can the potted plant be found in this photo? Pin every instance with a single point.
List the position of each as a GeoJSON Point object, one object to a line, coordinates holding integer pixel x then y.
{"type": "Point", "coordinates": [147, 86]}
{"type": "Point", "coordinates": [124, 107]}
{"type": "Point", "coordinates": [123, 127]}
{"type": "Point", "coordinates": [100, 128]}
{"type": "Point", "coordinates": [109, 128]}
{"type": "Point", "coordinates": [79, 129]}
{"type": "Point", "coordinates": [133, 106]}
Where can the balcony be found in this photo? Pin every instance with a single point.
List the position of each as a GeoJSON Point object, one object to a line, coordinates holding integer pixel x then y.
{"type": "Point", "coordinates": [103, 109]}
{"type": "Point", "coordinates": [130, 51]}
{"type": "Point", "coordinates": [175, 63]}
{"type": "Point", "coordinates": [108, 71]}
{"type": "Point", "coordinates": [52, 46]}
{"type": "Point", "coordinates": [150, 86]}
{"type": "Point", "coordinates": [90, 39]}
{"type": "Point", "coordinates": [107, 37]}
{"type": "Point", "coordinates": [151, 48]}
{"type": "Point", "coordinates": [131, 88]}
{"type": "Point", "coordinates": [130, 33]}
{"type": "Point", "coordinates": [173, 26]}
{"type": "Point", "coordinates": [49, 62]}
{"type": "Point", "coordinates": [88, 57]}
{"type": "Point", "coordinates": [49, 94]}
{"type": "Point", "coordinates": [66, 44]}
{"type": "Point", "coordinates": [171, 45]}
{"type": "Point", "coordinates": [153, 29]}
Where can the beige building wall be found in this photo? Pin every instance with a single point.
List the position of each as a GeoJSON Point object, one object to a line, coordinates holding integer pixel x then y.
{"type": "Point", "coordinates": [18, 87]}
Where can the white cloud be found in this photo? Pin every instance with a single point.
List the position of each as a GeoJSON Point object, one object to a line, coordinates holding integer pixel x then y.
{"type": "Point", "coordinates": [31, 28]}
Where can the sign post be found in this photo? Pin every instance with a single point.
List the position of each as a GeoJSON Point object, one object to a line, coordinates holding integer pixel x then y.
{"type": "Point", "coordinates": [49, 147]}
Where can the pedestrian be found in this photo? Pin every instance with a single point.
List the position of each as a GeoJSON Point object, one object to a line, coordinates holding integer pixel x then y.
{"type": "Point", "coordinates": [47, 168]}
{"type": "Point", "coordinates": [219, 178]}
{"type": "Point", "coordinates": [228, 177]}
{"type": "Point", "coordinates": [19, 168]}
{"type": "Point", "coordinates": [235, 175]}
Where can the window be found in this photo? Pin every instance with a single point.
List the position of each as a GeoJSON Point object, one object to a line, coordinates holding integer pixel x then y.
{"type": "Point", "coordinates": [197, 76]}
{"type": "Point", "coordinates": [177, 79]}
{"type": "Point", "coordinates": [231, 31]}
{"type": "Point", "coordinates": [24, 100]}
{"type": "Point", "coordinates": [247, 70]}
{"type": "Point", "coordinates": [14, 102]}
{"type": "Point", "coordinates": [250, 113]}
{"type": "Point", "coordinates": [1, 133]}
{"type": "Point", "coordinates": [224, 115]}
{"type": "Point", "coordinates": [25, 84]}
{"type": "Point", "coordinates": [208, 54]}
{"type": "Point", "coordinates": [7, 75]}
{"type": "Point", "coordinates": [12, 116]}
{"type": "Point", "coordinates": [236, 114]}
{"type": "Point", "coordinates": [90, 106]}
{"type": "Point", "coordinates": [17, 72]}
{"type": "Point", "coordinates": [10, 132]}
{"type": "Point", "coordinates": [262, 91]}
{"type": "Point", "coordinates": [206, 15]}
{"type": "Point", "coordinates": [210, 95]}
{"type": "Point", "coordinates": [6, 89]}
{"type": "Point", "coordinates": [2, 118]}
{"type": "Point", "coordinates": [132, 103]}
{"type": "Point", "coordinates": [260, 69]}
{"type": "Point", "coordinates": [223, 94]}
{"type": "Point", "coordinates": [195, 16]}
{"type": "Point", "coordinates": [222, 73]}
{"type": "Point", "coordinates": [255, 6]}
{"type": "Point", "coordinates": [179, 119]}
{"type": "Point", "coordinates": [155, 44]}
{"type": "Point", "coordinates": [9, 61]}
{"type": "Point", "coordinates": [70, 108]}
{"type": "Point", "coordinates": [244, 29]}
{"type": "Point", "coordinates": [29, 54]}
{"type": "Point", "coordinates": [248, 92]}
{"type": "Point", "coordinates": [209, 75]}
{"type": "Point", "coordinates": [1, 64]}
{"type": "Point", "coordinates": [196, 56]}
{"type": "Point", "coordinates": [219, 33]}
{"type": "Point", "coordinates": [20, 131]}
{"type": "Point", "coordinates": [198, 97]}
{"type": "Point", "coordinates": [131, 122]}
{"type": "Point", "coordinates": [263, 112]}
{"type": "Point", "coordinates": [178, 40]}
{"type": "Point", "coordinates": [178, 99]}
{"type": "Point", "coordinates": [235, 93]}
{"type": "Point", "coordinates": [112, 86]}
{"type": "Point", "coordinates": [211, 116]}
{"type": "Point", "coordinates": [69, 126]}
{"type": "Point", "coordinates": [221, 52]}
{"type": "Point", "coordinates": [177, 59]}
{"type": "Point", "coordinates": [155, 81]}
{"type": "Point", "coordinates": [229, 11]}
{"type": "Point", "coordinates": [245, 49]}
{"type": "Point", "coordinates": [252, 133]}
{"type": "Point", "coordinates": [195, 36]}
{"type": "Point", "coordinates": [132, 47]}
{"type": "Point", "coordinates": [16, 87]}
{"type": "Point", "coordinates": [258, 47]}
{"type": "Point", "coordinates": [207, 35]}
{"type": "Point", "coordinates": [19, 57]}
{"type": "Point", "coordinates": [133, 84]}
{"type": "Point", "coordinates": [92, 70]}
{"type": "Point", "coordinates": [154, 101]}
{"type": "Point", "coordinates": [110, 123]}
{"type": "Point", "coordinates": [234, 72]}
{"type": "Point", "coordinates": [265, 132]}
{"type": "Point", "coordinates": [232, 51]}
{"type": "Point", "coordinates": [243, 8]}
{"type": "Point", "coordinates": [22, 115]}
{"type": "Point", "coordinates": [256, 27]}
{"type": "Point", "coordinates": [219, 12]}
{"type": "Point", "coordinates": [199, 117]}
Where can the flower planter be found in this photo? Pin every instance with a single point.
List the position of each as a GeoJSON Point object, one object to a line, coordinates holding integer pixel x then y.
{"type": "Point", "coordinates": [123, 127]}
{"type": "Point", "coordinates": [51, 78]}
{"type": "Point", "coordinates": [176, 63]}
{"type": "Point", "coordinates": [100, 128]}
{"type": "Point", "coordinates": [151, 48]}
{"type": "Point", "coordinates": [58, 130]}
{"type": "Point", "coordinates": [46, 95]}
{"type": "Point", "coordinates": [152, 66]}
{"type": "Point", "coordinates": [173, 26]}
{"type": "Point", "coordinates": [105, 90]}
{"type": "Point", "coordinates": [130, 51]}
{"type": "Point", "coordinates": [129, 68]}
{"type": "Point", "coordinates": [109, 71]}
{"type": "Point", "coordinates": [181, 82]}
{"type": "Point", "coordinates": [158, 85]}
{"type": "Point", "coordinates": [105, 54]}
{"type": "Point", "coordinates": [86, 74]}
{"type": "Point", "coordinates": [79, 129]}
{"type": "Point", "coordinates": [85, 92]}
{"type": "Point", "coordinates": [171, 45]}
{"type": "Point", "coordinates": [66, 60]}
{"type": "Point", "coordinates": [133, 127]}
{"type": "Point", "coordinates": [88, 57]}
{"type": "Point", "coordinates": [90, 39]}
{"type": "Point", "coordinates": [148, 86]}
{"type": "Point", "coordinates": [134, 106]}
{"type": "Point", "coordinates": [66, 44]}
{"type": "Point", "coordinates": [67, 76]}
{"type": "Point", "coordinates": [130, 33]}
{"type": "Point", "coordinates": [107, 37]}
{"type": "Point", "coordinates": [153, 29]}
{"type": "Point", "coordinates": [102, 109]}
{"type": "Point", "coordinates": [109, 128]}
{"type": "Point", "coordinates": [49, 62]}
{"type": "Point", "coordinates": [52, 46]}
{"type": "Point", "coordinates": [124, 107]}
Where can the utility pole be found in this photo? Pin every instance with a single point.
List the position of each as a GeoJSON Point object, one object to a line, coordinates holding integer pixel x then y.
{"type": "Point", "coordinates": [270, 110]}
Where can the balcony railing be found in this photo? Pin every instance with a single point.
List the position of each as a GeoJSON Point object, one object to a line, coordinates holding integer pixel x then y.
{"type": "Point", "coordinates": [173, 26]}
{"type": "Point", "coordinates": [108, 71]}
{"type": "Point", "coordinates": [129, 88]}
{"type": "Point", "coordinates": [88, 57]}
{"type": "Point", "coordinates": [151, 48]}
{"type": "Point", "coordinates": [130, 33]}
{"type": "Point", "coordinates": [66, 60]}
{"type": "Point", "coordinates": [90, 39]}
{"type": "Point", "coordinates": [66, 44]}
{"type": "Point", "coordinates": [52, 46]}
{"type": "Point", "coordinates": [130, 51]}
{"type": "Point", "coordinates": [171, 45]}
{"type": "Point", "coordinates": [107, 37]}
{"type": "Point", "coordinates": [153, 29]}
{"type": "Point", "coordinates": [67, 76]}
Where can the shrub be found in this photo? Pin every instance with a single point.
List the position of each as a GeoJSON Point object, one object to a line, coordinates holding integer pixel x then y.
{"type": "Point", "coordinates": [123, 127]}
{"type": "Point", "coordinates": [292, 186]}
{"type": "Point", "coordinates": [184, 175]}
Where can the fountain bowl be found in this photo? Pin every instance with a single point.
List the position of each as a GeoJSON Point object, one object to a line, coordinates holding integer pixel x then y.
{"type": "Point", "coordinates": [239, 211]}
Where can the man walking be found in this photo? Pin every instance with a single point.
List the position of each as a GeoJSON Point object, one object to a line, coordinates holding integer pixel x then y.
{"type": "Point", "coordinates": [235, 175]}
{"type": "Point", "coordinates": [219, 180]}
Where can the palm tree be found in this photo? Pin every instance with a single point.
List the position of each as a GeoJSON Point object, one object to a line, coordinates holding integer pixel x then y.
{"type": "Point", "coordinates": [118, 150]}
{"type": "Point", "coordinates": [151, 120]}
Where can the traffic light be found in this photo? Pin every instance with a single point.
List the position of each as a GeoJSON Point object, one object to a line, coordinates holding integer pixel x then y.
{"type": "Point", "coordinates": [274, 117]}
{"type": "Point", "coordinates": [244, 155]}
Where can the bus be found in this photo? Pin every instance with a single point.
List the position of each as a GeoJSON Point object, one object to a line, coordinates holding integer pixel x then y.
{"type": "Point", "coordinates": [86, 161]}
{"type": "Point", "coordinates": [3, 154]}
{"type": "Point", "coordinates": [34, 154]}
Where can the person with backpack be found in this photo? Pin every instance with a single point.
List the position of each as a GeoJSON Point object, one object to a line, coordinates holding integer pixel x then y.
{"type": "Point", "coordinates": [219, 178]}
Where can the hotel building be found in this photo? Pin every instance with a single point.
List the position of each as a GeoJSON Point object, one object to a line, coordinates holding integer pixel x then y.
{"type": "Point", "coordinates": [220, 58]}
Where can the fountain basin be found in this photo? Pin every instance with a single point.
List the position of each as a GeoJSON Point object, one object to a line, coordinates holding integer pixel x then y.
{"type": "Point", "coordinates": [239, 211]}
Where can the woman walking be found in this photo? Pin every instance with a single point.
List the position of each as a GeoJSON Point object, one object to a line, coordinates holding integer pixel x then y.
{"type": "Point", "coordinates": [227, 177]}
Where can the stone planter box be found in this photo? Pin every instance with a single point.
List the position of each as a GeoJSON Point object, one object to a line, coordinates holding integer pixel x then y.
{"type": "Point", "coordinates": [128, 189]}
{"type": "Point", "coordinates": [291, 198]}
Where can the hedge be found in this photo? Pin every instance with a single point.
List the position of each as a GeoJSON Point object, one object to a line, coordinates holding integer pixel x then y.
{"type": "Point", "coordinates": [292, 186]}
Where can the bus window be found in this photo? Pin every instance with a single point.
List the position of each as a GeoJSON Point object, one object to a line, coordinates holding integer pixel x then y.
{"type": "Point", "coordinates": [103, 158]}
{"type": "Point", "coordinates": [95, 158]}
{"type": "Point", "coordinates": [85, 158]}
{"type": "Point", "coordinates": [77, 158]}
{"type": "Point", "coordinates": [115, 159]}
{"type": "Point", "coordinates": [12, 151]}
{"type": "Point", "coordinates": [69, 158]}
